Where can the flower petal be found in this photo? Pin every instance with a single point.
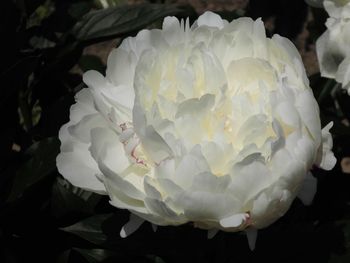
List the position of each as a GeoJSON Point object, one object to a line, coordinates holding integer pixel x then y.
{"type": "Point", "coordinates": [328, 62]}
{"type": "Point", "coordinates": [252, 235]}
{"type": "Point", "coordinates": [80, 169]}
{"type": "Point", "coordinates": [134, 223]}
{"type": "Point", "coordinates": [107, 149]}
{"type": "Point", "coordinates": [325, 157]}
{"type": "Point", "coordinates": [212, 233]}
{"type": "Point", "coordinates": [233, 221]}
{"type": "Point", "coordinates": [308, 189]}
{"type": "Point", "coordinates": [121, 67]}
{"type": "Point", "coordinates": [343, 74]}
{"type": "Point", "coordinates": [309, 112]}
{"type": "Point", "coordinates": [210, 19]}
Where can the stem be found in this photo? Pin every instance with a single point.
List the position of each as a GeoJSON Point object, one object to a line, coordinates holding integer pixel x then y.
{"type": "Point", "coordinates": [25, 111]}
{"type": "Point", "coordinates": [327, 89]}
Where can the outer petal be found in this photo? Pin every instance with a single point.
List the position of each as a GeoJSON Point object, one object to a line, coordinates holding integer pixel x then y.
{"type": "Point", "coordinates": [337, 8]}
{"type": "Point", "coordinates": [325, 158]}
{"type": "Point", "coordinates": [328, 62]}
{"type": "Point", "coordinates": [81, 170]}
{"type": "Point", "coordinates": [308, 189]}
{"type": "Point", "coordinates": [173, 31]}
{"type": "Point", "coordinates": [110, 155]}
{"type": "Point", "coordinates": [210, 19]}
{"type": "Point", "coordinates": [206, 206]}
{"type": "Point", "coordinates": [233, 221]}
{"type": "Point", "coordinates": [270, 205]}
{"type": "Point", "coordinates": [121, 67]}
{"type": "Point", "coordinates": [246, 182]}
{"type": "Point", "coordinates": [75, 162]}
{"type": "Point", "coordinates": [308, 110]}
{"type": "Point", "coordinates": [343, 73]}
{"type": "Point", "coordinates": [114, 103]}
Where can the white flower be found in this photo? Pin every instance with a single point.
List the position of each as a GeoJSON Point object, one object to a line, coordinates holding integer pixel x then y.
{"type": "Point", "coordinates": [333, 45]}
{"type": "Point", "coordinates": [213, 124]}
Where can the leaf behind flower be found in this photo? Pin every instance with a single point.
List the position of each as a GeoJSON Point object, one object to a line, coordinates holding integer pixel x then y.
{"type": "Point", "coordinates": [121, 20]}
{"type": "Point", "coordinates": [90, 229]}
{"type": "Point", "coordinates": [41, 163]}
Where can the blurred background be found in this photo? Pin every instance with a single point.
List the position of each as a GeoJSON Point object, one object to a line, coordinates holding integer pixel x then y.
{"type": "Point", "coordinates": [46, 45]}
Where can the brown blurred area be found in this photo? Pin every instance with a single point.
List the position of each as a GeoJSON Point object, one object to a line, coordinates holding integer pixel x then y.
{"type": "Point", "coordinates": [291, 19]}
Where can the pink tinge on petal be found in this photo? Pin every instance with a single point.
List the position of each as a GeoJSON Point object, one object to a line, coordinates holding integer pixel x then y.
{"type": "Point", "coordinates": [132, 144]}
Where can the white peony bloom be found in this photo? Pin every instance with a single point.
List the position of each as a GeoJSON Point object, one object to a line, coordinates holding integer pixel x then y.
{"type": "Point", "coordinates": [333, 45]}
{"type": "Point", "coordinates": [213, 124]}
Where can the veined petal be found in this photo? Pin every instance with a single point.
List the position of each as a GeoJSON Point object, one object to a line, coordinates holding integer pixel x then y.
{"type": "Point", "coordinates": [106, 148]}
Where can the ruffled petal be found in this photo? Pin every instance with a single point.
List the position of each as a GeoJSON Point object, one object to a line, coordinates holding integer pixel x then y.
{"type": "Point", "coordinates": [210, 19]}
{"type": "Point", "coordinates": [327, 62]}
{"type": "Point", "coordinates": [325, 157]}
{"type": "Point", "coordinates": [75, 162]}
{"type": "Point", "coordinates": [308, 189]}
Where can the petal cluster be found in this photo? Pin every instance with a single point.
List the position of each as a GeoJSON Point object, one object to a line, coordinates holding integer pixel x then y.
{"type": "Point", "coordinates": [332, 46]}
{"type": "Point", "coordinates": [213, 124]}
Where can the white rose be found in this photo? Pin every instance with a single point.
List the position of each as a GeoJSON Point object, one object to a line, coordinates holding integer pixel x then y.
{"type": "Point", "coordinates": [333, 45]}
{"type": "Point", "coordinates": [213, 124]}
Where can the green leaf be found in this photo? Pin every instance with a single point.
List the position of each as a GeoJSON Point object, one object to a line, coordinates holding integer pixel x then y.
{"type": "Point", "coordinates": [95, 255]}
{"type": "Point", "coordinates": [24, 111]}
{"type": "Point", "coordinates": [20, 70]}
{"type": "Point", "coordinates": [41, 163]}
{"type": "Point", "coordinates": [78, 9]}
{"type": "Point", "coordinates": [90, 229]}
{"type": "Point", "coordinates": [68, 198]}
{"type": "Point", "coordinates": [61, 58]}
{"type": "Point", "coordinates": [340, 258]}
{"type": "Point", "coordinates": [121, 20]}
{"type": "Point", "coordinates": [345, 255]}
{"type": "Point", "coordinates": [326, 90]}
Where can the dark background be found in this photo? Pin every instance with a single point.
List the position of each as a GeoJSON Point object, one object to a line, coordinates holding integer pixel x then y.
{"type": "Point", "coordinates": [45, 47]}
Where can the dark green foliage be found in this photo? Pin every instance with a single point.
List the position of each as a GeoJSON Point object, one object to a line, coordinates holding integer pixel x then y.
{"type": "Point", "coordinates": [121, 20]}
{"type": "Point", "coordinates": [90, 229]}
{"type": "Point", "coordinates": [41, 163]}
{"type": "Point", "coordinates": [89, 62]}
